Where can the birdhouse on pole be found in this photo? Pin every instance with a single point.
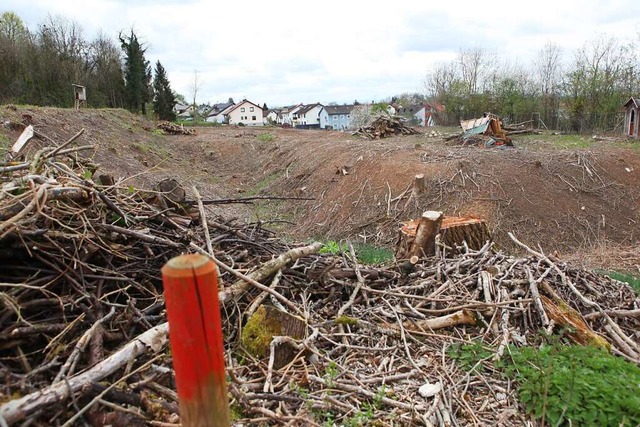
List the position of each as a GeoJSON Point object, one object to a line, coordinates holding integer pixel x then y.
{"type": "Point", "coordinates": [79, 96]}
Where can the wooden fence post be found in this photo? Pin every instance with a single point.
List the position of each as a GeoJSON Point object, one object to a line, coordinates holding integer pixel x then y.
{"type": "Point", "coordinates": [195, 334]}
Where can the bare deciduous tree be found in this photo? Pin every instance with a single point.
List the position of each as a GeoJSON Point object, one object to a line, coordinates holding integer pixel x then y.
{"type": "Point", "coordinates": [195, 86]}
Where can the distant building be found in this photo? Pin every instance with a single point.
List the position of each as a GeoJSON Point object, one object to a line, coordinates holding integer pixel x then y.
{"type": "Point", "coordinates": [336, 117]}
{"type": "Point", "coordinates": [247, 113]}
{"type": "Point", "coordinates": [219, 113]}
{"type": "Point", "coordinates": [308, 116]}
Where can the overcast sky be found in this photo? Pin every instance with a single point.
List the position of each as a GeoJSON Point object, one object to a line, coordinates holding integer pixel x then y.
{"type": "Point", "coordinates": [285, 52]}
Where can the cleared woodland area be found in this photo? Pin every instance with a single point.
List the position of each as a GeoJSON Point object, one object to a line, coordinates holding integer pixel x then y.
{"type": "Point", "coordinates": [86, 228]}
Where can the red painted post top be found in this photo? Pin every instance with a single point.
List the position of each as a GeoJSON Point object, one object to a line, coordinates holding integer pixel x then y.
{"type": "Point", "coordinates": [195, 335]}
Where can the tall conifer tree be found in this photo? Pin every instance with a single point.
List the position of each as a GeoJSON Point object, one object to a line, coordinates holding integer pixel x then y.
{"type": "Point", "coordinates": [137, 74]}
{"type": "Point", "coordinates": [163, 100]}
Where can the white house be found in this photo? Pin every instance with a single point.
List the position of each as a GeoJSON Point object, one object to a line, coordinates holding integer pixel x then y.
{"type": "Point", "coordinates": [287, 114]}
{"type": "Point", "coordinates": [308, 116]}
{"type": "Point", "coordinates": [247, 113]}
{"type": "Point", "coordinates": [272, 116]}
{"type": "Point", "coordinates": [219, 113]}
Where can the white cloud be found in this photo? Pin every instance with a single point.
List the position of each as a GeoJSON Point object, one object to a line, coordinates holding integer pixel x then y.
{"type": "Point", "coordinates": [289, 51]}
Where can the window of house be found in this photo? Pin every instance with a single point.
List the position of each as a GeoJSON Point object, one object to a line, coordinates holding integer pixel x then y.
{"type": "Point", "coordinates": [342, 116]}
{"type": "Point", "coordinates": [253, 118]}
{"type": "Point", "coordinates": [242, 109]}
{"type": "Point", "coordinates": [251, 109]}
{"type": "Point", "coordinates": [335, 117]}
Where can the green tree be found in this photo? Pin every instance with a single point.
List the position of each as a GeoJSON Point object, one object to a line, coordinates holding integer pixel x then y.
{"type": "Point", "coordinates": [13, 41]}
{"type": "Point", "coordinates": [137, 74]}
{"type": "Point", "coordinates": [163, 100]}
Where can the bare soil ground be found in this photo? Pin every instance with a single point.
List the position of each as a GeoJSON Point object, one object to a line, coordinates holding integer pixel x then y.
{"type": "Point", "coordinates": [580, 202]}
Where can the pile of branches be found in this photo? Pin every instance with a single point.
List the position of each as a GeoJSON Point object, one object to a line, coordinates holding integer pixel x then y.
{"type": "Point", "coordinates": [384, 127]}
{"type": "Point", "coordinates": [83, 335]}
{"type": "Point", "coordinates": [484, 141]}
{"type": "Point", "coordinates": [174, 129]}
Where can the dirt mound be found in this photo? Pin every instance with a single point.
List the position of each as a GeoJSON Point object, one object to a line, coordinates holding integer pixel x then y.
{"type": "Point", "coordinates": [565, 200]}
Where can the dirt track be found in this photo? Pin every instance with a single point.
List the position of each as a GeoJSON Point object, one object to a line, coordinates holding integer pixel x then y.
{"type": "Point", "coordinates": [564, 200]}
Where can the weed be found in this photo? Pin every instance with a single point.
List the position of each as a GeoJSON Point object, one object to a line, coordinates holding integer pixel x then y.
{"type": "Point", "coordinates": [366, 415]}
{"type": "Point", "coordinates": [265, 137]}
{"type": "Point", "coordinates": [331, 373]}
{"type": "Point", "coordinates": [332, 247]}
{"type": "Point", "coordinates": [157, 131]}
{"type": "Point", "coordinates": [470, 357]}
{"type": "Point", "coordinates": [575, 385]}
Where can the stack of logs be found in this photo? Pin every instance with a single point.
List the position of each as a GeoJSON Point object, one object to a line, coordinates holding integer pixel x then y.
{"type": "Point", "coordinates": [174, 129]}
{"type": "Point", "coordinates": [385, 126]}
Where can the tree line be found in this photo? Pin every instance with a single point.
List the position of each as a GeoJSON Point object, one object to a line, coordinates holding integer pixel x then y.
{"type": "Point", "coordinates": [39, 66]}
{"type": "Point", "coordinates": [579, 91]}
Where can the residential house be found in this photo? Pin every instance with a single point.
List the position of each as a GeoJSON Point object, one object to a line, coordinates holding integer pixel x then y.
{"type": "Point", "coordinates": [434, 113]}
{"type": "Point", "coordinates": [183, 112]}
{"type": "Point", "coordinates": [308, 116]}
{"type": "Point", "coordinates": [247, 113]}
{"type": "Point", "coordinates": [219, 113]}
{"type": "Point", "coordinates": [421, 114]}
{"type": "Point", "coordinates": [631, 121]}
{"type": "Point", "coordinates": [179, 108]}
{"type": "Point", "coordinates": [413, 113]}
{"type": "Point", "coordinates": [271, 116]}
{"type": "Point", "coordinates": [288, 115]}
{"type": "Point", "coordinates": [336, 117]}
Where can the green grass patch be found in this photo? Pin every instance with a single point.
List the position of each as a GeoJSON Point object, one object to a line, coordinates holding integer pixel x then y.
{"type": "Point", "coordinates": [575, 385]}
{"type": "Point", "coordinates": [262, 184]}
{"type": "Point", "coordinates": [369, 254]}
{"type": "Point", "coordinates": [366, 253]}
{"type": "Point", "coordinates": [562, 141]}
{"type": "Point", "coordinates": [629, 279]}
{"type": "Point", "coordinates": [265, 137]}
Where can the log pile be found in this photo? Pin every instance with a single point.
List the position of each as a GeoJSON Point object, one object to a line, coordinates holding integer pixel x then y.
{"type": "Point", "coordinates": [174, 129]}
{"type": "Point", "coordinates": [83, 334]}
{"type": "Point", "coordinates": [384, 127]}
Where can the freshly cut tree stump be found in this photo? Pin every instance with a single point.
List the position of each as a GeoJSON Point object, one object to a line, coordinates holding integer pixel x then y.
{"type": "Point", "coordinates": [417, 237]}
{"type": "Point", "coordinates": [419, 185]}
{"type": "Point", "coordinates": [455, 230]}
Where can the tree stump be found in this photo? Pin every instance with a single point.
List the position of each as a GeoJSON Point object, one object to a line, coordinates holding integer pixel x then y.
{"type": "Point", "coordinates": [268, 322]}
{"type": "Point", "coordinates": [417, 237]}
{"type": "Point", "coordinates": [455, 230]}
{"type": "Point", "coordinates": [419, 185]}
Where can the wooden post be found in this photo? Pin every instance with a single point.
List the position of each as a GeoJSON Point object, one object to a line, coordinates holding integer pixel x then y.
{"type": "Point", "coordinates": [195, 335]}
